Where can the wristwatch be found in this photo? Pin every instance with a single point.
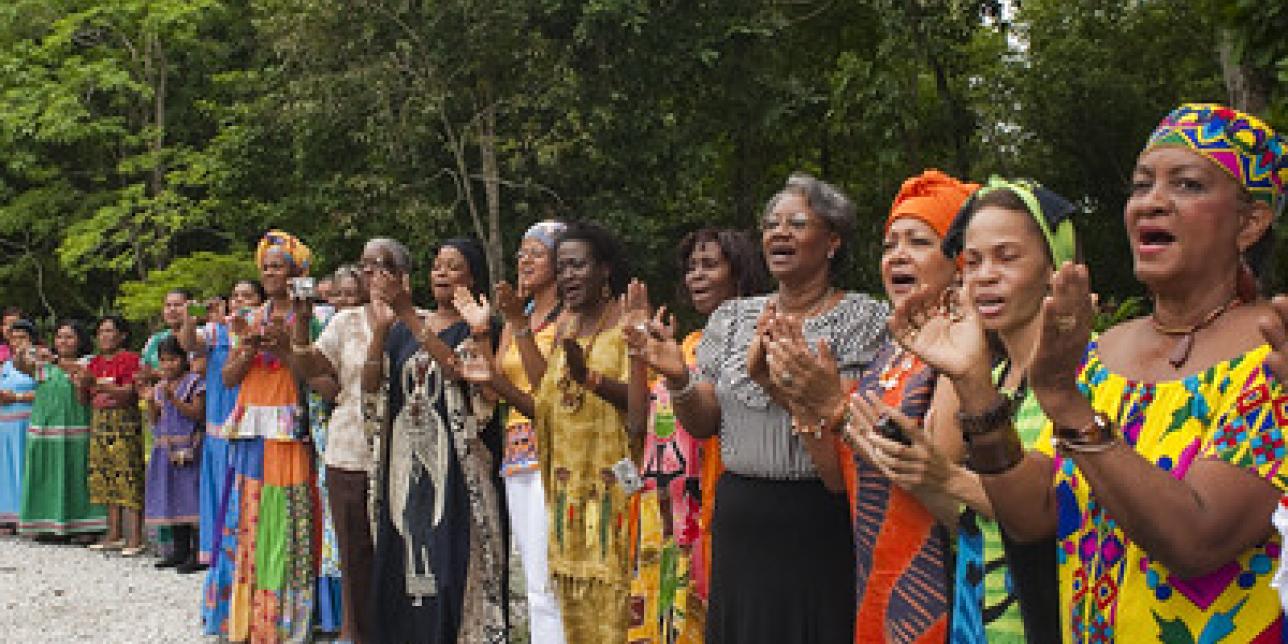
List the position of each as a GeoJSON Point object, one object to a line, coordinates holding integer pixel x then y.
{"type": "Point", "coordinates": [1098, 435]}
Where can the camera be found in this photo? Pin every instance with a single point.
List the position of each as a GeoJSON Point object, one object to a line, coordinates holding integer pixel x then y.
{"type": "Point", "coordinates": [628, 475]}
{"type": "Point", "coordinates": [303, 288]}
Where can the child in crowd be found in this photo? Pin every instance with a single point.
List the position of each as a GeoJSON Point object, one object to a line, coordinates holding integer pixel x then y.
{"type": "Point", "coordinates": [176, 405]}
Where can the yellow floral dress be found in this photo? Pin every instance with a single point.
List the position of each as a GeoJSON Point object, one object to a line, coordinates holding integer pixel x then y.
{"type": "Point", "coordinates": [1110, 589]}
{"type": "Point", "coordinates": [579, 437]}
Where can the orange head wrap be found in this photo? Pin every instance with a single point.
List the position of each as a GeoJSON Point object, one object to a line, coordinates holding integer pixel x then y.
{"type": "Point", "coordinates": [932, 197]}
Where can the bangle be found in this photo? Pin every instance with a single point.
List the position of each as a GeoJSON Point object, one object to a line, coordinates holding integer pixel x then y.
{"type": "Point", "coordinates": [1098, 435]}
{"type": "Point", "coordinates": [992, 457]}
{"type": "Point", "coordinates": [995, 417]}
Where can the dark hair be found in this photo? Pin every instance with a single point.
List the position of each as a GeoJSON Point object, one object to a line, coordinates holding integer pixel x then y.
{"type": "Point", "coordinates": [604, 247]}
{"type": "Point", "coordinates": [256, 285]}
{"type": "Point", "coordinates": [11, 311]}
{"type": "Point", "coordinates": [83, 345]}
{"type": "Point", "coordinates": [1007, 199]}
{"type": "Point", "coordinates": [170, 347]}
{"type": "Point", "coordinates": [745, 260]}
{"type": "Point", "coordinates": [179, 291]}
{"type": "Point", "coordinates": [24, 325]}
{"type": "Point", "coordinates": [117, 321]}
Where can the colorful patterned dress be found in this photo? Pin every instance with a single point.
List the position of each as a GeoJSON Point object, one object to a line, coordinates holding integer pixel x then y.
{"type": "Point", "coordinates": [901, 551]}
{"type": "Point", "coordinates": [667, 548]}
{"type": "Point", "coordinates": [171, 494]}
{"type": "Point", "coordinates": [262, 580]}
{"type": "Point", "coordinates": [330, 612]}
{"type": "Point", "coordinates": [13, 441]}
{"type": "Point", "coordinates": [1110, 589]}
{"type": "Point", "coordinates": [580, 436]}
{"type": "Point", "coordinates": [116, 440]}
{"type": "Point", "coordinates": [55, 496]}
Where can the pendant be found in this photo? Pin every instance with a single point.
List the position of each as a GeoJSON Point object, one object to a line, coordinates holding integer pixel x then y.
{"type": "Point", "coordinates": [1181, 352]}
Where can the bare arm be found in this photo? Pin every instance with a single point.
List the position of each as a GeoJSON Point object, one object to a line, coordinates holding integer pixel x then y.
{"type": "Point", "coordinates": [238, 364]}
{"type": "Point", "coordinates": [189, 339]}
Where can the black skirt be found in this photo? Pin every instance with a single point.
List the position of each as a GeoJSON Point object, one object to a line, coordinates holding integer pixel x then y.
{"type": "Point", "coordinates": [782, 564]}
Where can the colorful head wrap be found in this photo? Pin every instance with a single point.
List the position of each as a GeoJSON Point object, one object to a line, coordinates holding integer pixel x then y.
{"type": "Point", "coordinates": [295, 251]}
{"type": "Point", "coordinates": [546, 232]}
{"type": "Point", "coordinates": [1051, 212]}
{"type": "Point", "coordinates": [1241, 144]}
{"type": "Point", "coordinates": [932, 197]}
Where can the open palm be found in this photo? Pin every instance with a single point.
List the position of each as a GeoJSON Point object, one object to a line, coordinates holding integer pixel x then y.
{"type": "Point", "coordinates": [948, 337]}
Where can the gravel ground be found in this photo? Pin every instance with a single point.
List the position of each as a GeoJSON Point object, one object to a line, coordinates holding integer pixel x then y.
{"type": "Point", "coordinates": [64, 593]}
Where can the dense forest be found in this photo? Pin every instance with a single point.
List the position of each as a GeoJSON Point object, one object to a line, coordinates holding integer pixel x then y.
{"type": "Point", "coordinates": [148, 143]}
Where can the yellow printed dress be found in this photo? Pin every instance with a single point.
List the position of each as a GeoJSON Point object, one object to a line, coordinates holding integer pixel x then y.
{"type": "Point", "coordinates": [1110, 589]}
{"type": "Point", "coordinates": [580, 436]}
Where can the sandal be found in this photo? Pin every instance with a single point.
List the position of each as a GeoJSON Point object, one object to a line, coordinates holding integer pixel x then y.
{"type": "Point", "coordinates": [133, 551]}
{"type": "Point", "coordinates": [107, 545]}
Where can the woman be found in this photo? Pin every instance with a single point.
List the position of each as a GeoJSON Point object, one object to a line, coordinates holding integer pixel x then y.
{"type": "Point", "coordinates": [530, 327]}
{"type": "Point", "coordinates": [345, 459]}
{"type": "Point", "coordinates": [55, 496]}
{"type": "Point", "coordinates": [175, 405]}
{"type": "Point", "coordinates": [1011, 237]}
{"type": "Point", "coordinates": [902, 553]}
{"type": "Point", "coordinates": [440, 557]}
{"type": "Point", "coordinates": [1166, 469]}
{"type": "Point", "coordinates": [116, 444]}
{"type": "Point", "coordinates": [262, 580]}
{"type": "Point", "coordinates": [782, 552]}
{"type": "Point", "coordinates": [670, 561]}
{"type": "Point", "coordinates": [212, 342]}
{"type": "Point", "coordinates": [17, 392]}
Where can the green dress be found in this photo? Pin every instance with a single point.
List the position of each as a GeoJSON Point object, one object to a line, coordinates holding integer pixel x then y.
{"type": "Point", "coordinates": [55, 497]}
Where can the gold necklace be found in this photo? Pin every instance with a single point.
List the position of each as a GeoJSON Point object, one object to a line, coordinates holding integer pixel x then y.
{"type": "Point", "coordinates": [572, 395]}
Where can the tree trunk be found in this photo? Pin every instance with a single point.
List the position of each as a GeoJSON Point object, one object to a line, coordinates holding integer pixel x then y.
{"type": "Point", "coordinates": [492, 193]}
{"type": "Point", "coordinates": [1246, 90]}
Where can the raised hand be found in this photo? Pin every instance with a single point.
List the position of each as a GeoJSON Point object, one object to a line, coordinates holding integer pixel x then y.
{"type": "Point", "coordinates": [1274, 328]}
{"type": "Point", "coordinates": [576, 359]}
{"type": "Point", "coordinates": [911, 463]}
{"type": "Point", "coordinates": [1067, 315]}
{"type": "Point", "coordinates": [636, 305]}
{"type": "Point", "coordinates": [392, 289]}
{"type": "Point", "coordinates": [944, 330]}
{"type": "Point", "coordinates": [477, 313]}
{"type": "Point", "coordinates": [382, 315]}
{"type": "Point", "coordinates": [654, 342]}
{"type": "Point", "coordinates": [757, 366]}
{"type": "Point", "coordinates": [808, 380]}
{"type": "Point", "coordinates": [510, 304]}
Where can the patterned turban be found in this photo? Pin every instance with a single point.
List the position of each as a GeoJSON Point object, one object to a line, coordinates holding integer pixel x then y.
{"type": "Point", "coordinates": [932, 197]}
{"type": "Point", "coordinates": [1241, 144]}
{"type": "Point", "coordinates": [546, 232]}
{"type": "Point", "coordinates": [295, 251]}
{"type": "Point", "coordinates": [1052, 213]}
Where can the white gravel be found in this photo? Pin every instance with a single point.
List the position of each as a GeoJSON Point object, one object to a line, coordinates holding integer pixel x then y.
{"type": "Point", "coordinates": [65, 593]}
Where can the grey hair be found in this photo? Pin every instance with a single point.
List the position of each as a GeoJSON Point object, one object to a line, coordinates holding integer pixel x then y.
{"type": "Point", "coordinates": [347, 270]}
{"type": "Point", "coordinates": [399, 252]}
{"type": "Point", "coordinates": [828, 202]}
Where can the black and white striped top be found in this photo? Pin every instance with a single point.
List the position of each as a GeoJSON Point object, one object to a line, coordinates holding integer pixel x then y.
{"type": "Point", "coordinates": [755, 432]}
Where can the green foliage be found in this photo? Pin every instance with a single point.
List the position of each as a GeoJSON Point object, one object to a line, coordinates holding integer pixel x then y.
{"type": "Point", "coordinates": [201, 274]}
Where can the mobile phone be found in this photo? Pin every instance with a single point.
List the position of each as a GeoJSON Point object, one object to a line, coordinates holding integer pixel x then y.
{"type": "Point", "coordinates": [888, 428]}
{"type": "Point", "coordinates": [196, 310]}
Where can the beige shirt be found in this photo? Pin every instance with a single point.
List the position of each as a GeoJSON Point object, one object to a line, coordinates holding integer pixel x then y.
{"type": "Point", "coordinates": [344, 342]}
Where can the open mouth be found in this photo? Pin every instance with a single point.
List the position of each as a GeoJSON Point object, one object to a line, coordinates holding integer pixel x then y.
{"type": "Point", "coordinates": [989, 305]}
{"type": "Point", "coordinates": [1152, 239]}
{"type": "Point", "coordinates": [902, 282]}
{"type": "Point", "coordinates": [779, 254]}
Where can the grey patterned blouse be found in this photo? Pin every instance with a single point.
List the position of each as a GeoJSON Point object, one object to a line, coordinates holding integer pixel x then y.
{"type": "Point", "coordinates": [755, 432]}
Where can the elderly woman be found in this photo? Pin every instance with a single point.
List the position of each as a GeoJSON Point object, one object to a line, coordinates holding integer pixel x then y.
{"type": "Point", "coordinates": [267, 524]}
{"type": "Point", "coordinates": [440, 546]}
{"type": "Point", "coordinates": [671, 556]}
{"type": "Point", "coordinates": [17, 392]}
{"type": "Point", "coordinates": [338, 353]}
{"type": "Point", "coordinates": [782, 551]}
{"type": "Point", "coordinates": [1168, 443]}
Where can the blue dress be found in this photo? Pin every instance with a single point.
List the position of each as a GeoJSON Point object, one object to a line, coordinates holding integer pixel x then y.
{"type": "Point", "coordinates": [13, 441]}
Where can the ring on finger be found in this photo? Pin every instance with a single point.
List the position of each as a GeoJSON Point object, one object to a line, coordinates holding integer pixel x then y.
{"type": "Point", "coordinates": [1066, 323]}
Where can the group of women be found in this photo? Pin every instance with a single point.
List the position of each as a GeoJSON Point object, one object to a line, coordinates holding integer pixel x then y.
{"type": "Point", "coordinates": [962, 460]}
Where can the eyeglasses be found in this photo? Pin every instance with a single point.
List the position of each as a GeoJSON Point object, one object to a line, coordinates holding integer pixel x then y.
{"type": "Point", "coordinates": [797, 222]}
{"type": "Point", "coordinates": [527, 253]}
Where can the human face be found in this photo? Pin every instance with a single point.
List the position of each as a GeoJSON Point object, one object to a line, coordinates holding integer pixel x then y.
{"type": "Point", "coordinates": [1187, 219]}
{"type": "Point", "coordinates": [19, 340]}
{"type": "Point", "coordinates": [796, 241]}
{"type": "Point", "coordinates": [109, 337]}
{"type": "Point", "coordinates": [325, 291]}
{"type": "Point", "coordinates": [376, 257]}
{"type": "Point", "coordinates": [580, 278]}
{"type": "Point", "coordinates": [536, 266]}
{"type": "Point", "coordinates": [911, 258]}
{"type": "Point", "coordinates": [709, 277]}
{"type": "Point", "coordinates": [66, 343]}
{"type": "Point", "coordinates": [245, 296]}
{"type": "Point", "coordinates": [173, 309]}
{"type": "Point", "coordinates": [1006, 265]}
{"type": "Point", "coordinates": [449, 271]}
{"type": "Point", "coordinates": [171, 366]}
{"type": "Point", "coordinates": [274, 273]}
{"type": "Point", "coordinates": [348, 292]}
{"type": "Point", "coordinates": [8, 321]}
{"type": "Point", "coordinates": [216, 309]}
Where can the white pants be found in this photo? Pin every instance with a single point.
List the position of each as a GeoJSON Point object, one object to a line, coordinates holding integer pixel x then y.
{"type": "Point", "coordinates": [527, 504]}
